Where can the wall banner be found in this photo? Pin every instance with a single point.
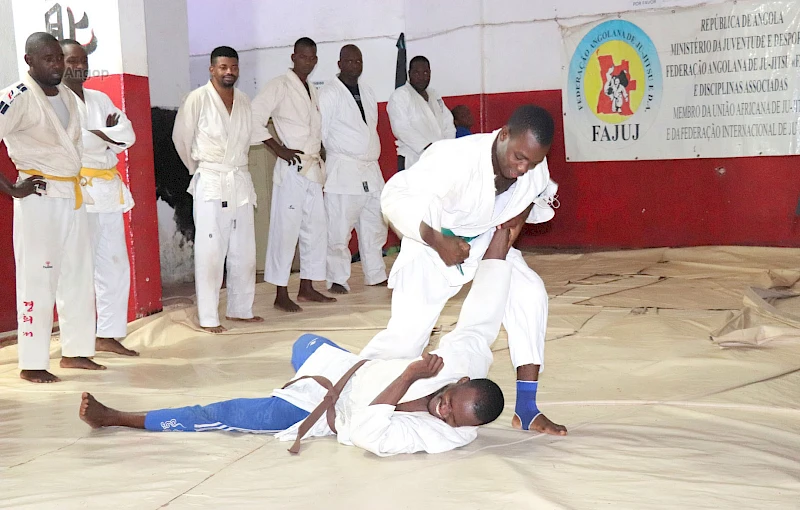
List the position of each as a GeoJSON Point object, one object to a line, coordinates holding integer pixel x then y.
{"type": "Point", "coordinates": [706, 82]}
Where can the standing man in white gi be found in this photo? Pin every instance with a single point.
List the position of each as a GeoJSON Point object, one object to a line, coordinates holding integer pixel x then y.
{"type": "Point", "coordinates": [212, 136]}
{"type": "Point", "coordinates": [298, 211]}
{"type": "Point", "coordinates": [448, 207]}
{"type": "Point", "coordinates": [106, 132]}
{"type": "Point", "coordinates": [418, 115]}
{"type": "Point", "coordinates": [40, 125]}
{"type": "Point", "coordinates": [354, 182]}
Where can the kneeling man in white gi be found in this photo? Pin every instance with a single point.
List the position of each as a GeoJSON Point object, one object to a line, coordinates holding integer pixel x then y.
{"type": "Point", "coordinates": [212, 136]}
{"type": "Point", "coordinates": [105, 132]}
{"type": "Point", "coordinates": [40, 125]}
{"type": "Point", "coordinates": [432, 404]}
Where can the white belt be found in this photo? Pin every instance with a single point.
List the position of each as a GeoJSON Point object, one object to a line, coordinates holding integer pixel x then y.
{"type": "Point", "coordinates": [227, 180]}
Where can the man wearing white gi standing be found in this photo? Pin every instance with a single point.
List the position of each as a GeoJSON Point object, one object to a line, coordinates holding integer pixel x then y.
{"type": "Point", "coordinates": [40, 125]}
{"type": "Point", "coordinates": [418, 115]}
{"type": "Point", "coordinates": [106, 131]}
{"type": "Point", "coordinates": [298, 211]}
{"type": "Point", "coordinates": [354, 181]}
{"type": "Point", "coordinates": [212, 136]}
{"type": "Point", "coordinates": [448, 207]}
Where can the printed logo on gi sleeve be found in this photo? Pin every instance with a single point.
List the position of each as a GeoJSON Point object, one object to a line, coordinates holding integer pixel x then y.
{"type": "Point", "coordinates": [47, 265]}
{"type": "Point", "coordinates": [12, 94]}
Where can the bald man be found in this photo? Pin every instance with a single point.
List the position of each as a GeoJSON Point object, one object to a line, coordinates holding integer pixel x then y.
{"type": "Point", "coordinates": [40, 125]}
{"type": "Point", "coordinates": [354, 181]}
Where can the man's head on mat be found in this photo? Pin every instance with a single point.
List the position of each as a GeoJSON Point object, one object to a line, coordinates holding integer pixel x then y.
{"type": "Point", "coordinates": [469, 402]}
{"type": "Point", "coordinates": [523, 142]}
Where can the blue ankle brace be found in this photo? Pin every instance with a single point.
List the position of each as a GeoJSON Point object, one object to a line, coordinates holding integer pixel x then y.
{"type": "Point", "coordinates": [526, 409]}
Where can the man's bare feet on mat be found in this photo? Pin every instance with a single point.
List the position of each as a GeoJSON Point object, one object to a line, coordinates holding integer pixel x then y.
{"type": "Point", "coordinates": [93, 412]}
{"type": "Point", "coordinates": [542, 424]}
{"type": "Point", "coordinates": [314, 296]}
{"type": "Point", "coordinates": [285, 304]}
{"type": "Point", "coordinates": [338, 289]}
{"type": "Point", "coordinates": [255, 318]}
{"type": "Point", "coordinates": [384, 283]}
{"type": "Point", "coordinates": [38, 376]}
{"type": "Point", "coordinates": [80, 362]}
{"type": "Point", "coordinates": [113, 345]}
{"type": "Point", "coordinates": [215, 329]}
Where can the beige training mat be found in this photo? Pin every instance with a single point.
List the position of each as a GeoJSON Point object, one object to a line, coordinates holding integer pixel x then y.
{"type": "Point", "coordinates": [677, 372]}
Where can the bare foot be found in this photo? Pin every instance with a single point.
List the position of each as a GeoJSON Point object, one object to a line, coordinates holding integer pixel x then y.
{"type": "Point", "coordinates": [255, 318]}
{"type": "Point", "coordinates": [112, 345]}
{"type": "Point", "coordinates": [307, 293]}
{"type": "Point", "coordinates": [38, 376]}
{"type": "Point", "coordinates": [79, 362]}
{"type": "Point", "coordinates": [93, 412]}
{"type": "Point", "coordinates": [215, 329]}
{"type": "Point", "coordinates": [338, 289]}
{"type": "Point", "coordinates": [285, 304]}
{"type": "Point", "coordinates": [384, 283]}
{"type": "Point", "coordinates": [541, 424]}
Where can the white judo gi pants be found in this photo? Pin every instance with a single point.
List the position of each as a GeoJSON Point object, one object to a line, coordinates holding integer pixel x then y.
{"type": "Point", "coordinates": [297, 213]}
{"type": "Point", "coordinates": [53, 255]}
{"type": "Point", "coordinates": [112, 273]}
{"type": "Point", "coordinates": [220, 233]}
{"type": "Point", "coordinates": [421, 291]}
{"type": "Point", "coordinates": [362, 212]}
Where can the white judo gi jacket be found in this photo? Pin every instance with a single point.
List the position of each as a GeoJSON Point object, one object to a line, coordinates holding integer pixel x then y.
{"type": "Point", "coordinates": [99, 160]}
{"type": "Point", "coordinates": [452, 186]}
{"type": "Point", "coordinates": [36, 140]}
{"type": "Point", "coordinates": [352, 145]}
{"type": "Point", "coordinates": [417, 123]}
{"type": "Point", "coordinates": [466, 352]}
{"type": "Point", "coordinates": [297, 121]}
{"type": "Point", "coordinates": [216, 144]}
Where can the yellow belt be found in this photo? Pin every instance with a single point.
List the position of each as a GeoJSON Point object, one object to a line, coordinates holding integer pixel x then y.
{"type": "Point", "coordinates": [106, 175]}
{"type": "Point", "coordinates": [76, 181]}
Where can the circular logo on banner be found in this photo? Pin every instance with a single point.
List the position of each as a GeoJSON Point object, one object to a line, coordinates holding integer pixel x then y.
{"type": "Point", "coordinates": [615, 83]}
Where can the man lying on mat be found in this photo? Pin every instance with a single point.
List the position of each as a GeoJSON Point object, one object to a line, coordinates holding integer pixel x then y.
{"type": "Point", "coordinates": [433, 404]}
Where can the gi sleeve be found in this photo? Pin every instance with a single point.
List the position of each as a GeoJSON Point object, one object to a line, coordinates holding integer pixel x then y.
{"type": "Point", "coordinates": [184, 130]}
{"type": "Point", "coordinates": [12, 108]}
{"type": "Point", "coordinates": [400, 109]}
{"type": "Point", "coordinates": [328, 109]}
{"type": "Point", "coordinates": [448, 126]}
{"type": "Point", "coordinates": [378, 429]}
{"type": "Point", "coordinates": [543, 209]}
{"type": "Point", "coordinates": [122, 132]}
{"type": "Point", "coordinates": [417, 194]}
{"type": "Point", "coordinates": [263, 106]}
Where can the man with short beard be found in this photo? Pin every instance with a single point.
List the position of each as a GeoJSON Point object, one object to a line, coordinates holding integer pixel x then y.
{"type": "Point", "coordinates": [448, 207]}
{"type": "Point", "coordinates": [39, 124]}
{"type": "Point", "coordinates": [212, 136]}
{"type": "Point", "coordinates": [106, 132]}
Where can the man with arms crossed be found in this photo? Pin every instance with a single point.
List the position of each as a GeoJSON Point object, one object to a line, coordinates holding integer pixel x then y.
{"type": "Point", "coordinates": [105, 132]}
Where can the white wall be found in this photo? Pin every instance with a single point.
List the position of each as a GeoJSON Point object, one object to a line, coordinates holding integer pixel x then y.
{"type": "Point", "coordinates": [474, 45]}
{"type": "Point", "coordinates": [167, 32]}
{"type": "Point", "coordinates": [8, 46]}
